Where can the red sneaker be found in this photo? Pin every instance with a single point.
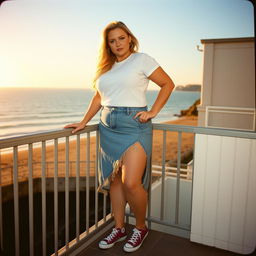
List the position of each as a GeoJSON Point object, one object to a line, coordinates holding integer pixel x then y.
{"type": "Point", "coordinates": [136, 240]}
{"type": "Point", "coordinates": [117, 235]}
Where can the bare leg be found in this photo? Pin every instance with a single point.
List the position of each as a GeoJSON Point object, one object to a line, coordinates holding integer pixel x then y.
{"type": "Point", "coordinates": [118, 200]}
{"type": "Point", "coordinates": [134, 163]}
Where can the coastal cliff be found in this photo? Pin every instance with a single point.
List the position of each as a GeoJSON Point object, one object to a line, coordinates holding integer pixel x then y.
{"type": "Point", "coordinates": [191, 111]}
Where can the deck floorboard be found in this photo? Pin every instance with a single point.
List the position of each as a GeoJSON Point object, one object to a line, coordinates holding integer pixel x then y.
{"type": "Point", "coordinates": [158, 244]}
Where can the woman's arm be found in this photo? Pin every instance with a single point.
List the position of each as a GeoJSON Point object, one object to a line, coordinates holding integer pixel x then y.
{"type": "Point", "coordinates": [92, 110]}
{"type": "Point", "coordinates": [165, 82]}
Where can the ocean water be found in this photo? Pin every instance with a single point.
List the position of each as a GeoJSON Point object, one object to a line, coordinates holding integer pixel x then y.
{"type": "Point", "coordinates": [27, 110]}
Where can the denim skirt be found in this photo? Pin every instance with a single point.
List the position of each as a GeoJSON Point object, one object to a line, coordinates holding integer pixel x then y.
{"type": "Point", "coordinates": [119, 130]}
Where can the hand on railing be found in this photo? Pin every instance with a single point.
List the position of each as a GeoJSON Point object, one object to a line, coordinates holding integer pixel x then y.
{"type": "Point", "coordinates": [77, 126]}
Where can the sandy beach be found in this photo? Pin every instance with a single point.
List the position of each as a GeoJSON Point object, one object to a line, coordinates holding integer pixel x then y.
{"type": "Point", "coordinates": [171, 154]}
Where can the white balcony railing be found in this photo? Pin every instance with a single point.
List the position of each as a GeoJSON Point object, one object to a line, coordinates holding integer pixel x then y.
{"type": "Point", "coordinates": [72, 180]}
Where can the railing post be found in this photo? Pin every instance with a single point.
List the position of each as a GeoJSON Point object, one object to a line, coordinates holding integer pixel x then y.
{"type": "Point", "coordinates": [96, 179]}
{"type": "Point", "coordinates": [163, 175]}
{"type": "Point", "coordinates": [67, 194]}
{"type": "Point", "coordinates": [87, 181]}
{"type": "Point", "coordinates": [178, 180]}
{"type": "Point", "coordinates": [43, 200]}
{"type": "Point", "coordinates": [31, 204]}
{"type": "Point", "coordinates": [56, 233]}
{"type": "Point", "coordinates": [77, 187]}
{"type": "Point", "coordinates": [16, 200]}
{"type": "Point", "coordinates": [149, 169]}
{"type": "Point", "coordinates": [1, 208]}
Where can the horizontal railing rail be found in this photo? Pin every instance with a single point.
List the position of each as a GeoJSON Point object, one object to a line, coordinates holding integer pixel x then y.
{"type": "Point", "coordinates": [43, 136]}
{"type": "Point", "coordinates": [38, 137]}
{"type": "Point", "coordinates": [171, 171]}
{"type": "Point", "coordinates": [206, 130]}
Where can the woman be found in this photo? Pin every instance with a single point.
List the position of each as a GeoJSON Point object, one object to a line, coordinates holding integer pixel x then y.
{"type": "Point", "coordinates": [125, 127]}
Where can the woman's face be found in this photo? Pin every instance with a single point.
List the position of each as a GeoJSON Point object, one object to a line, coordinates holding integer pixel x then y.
{"type": "Point", "coordinates": [119, 43]}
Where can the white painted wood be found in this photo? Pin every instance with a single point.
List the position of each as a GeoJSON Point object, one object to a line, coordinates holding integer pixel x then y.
{"type": "Point", "coordinates": [227, 66]}
{"type": "Point", "coordinates": [250, 224]}
{"type": "Point", "coordinates": [200, 160]}
{"type": "Point", "coordinates": [208, 72]}
{"type": "Point", "coordinates": [240, 187]}
{"type": "Point", "coordinates": [240, 123]}
{"type": "Point", "coordinates": [224, 205]}
{"type": "Point", "coordinates": [228, 147]}
{"type": "Point", "coordinates": [211, 189]}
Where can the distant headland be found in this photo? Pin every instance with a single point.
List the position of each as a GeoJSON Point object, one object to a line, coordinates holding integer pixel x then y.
{"type": "Point", "coordinates": [188, 87]}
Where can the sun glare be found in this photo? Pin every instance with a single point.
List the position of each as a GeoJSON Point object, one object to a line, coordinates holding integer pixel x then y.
{"type": "Point", "coordinates": [8, 75]}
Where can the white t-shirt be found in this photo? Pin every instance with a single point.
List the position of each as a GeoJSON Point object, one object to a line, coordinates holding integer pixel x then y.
{"type": "Point", "coordinates": [125, 84]}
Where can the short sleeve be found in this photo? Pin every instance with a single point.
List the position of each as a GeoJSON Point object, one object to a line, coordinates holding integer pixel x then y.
{"type": "Point", "coordinates": [149, 64]}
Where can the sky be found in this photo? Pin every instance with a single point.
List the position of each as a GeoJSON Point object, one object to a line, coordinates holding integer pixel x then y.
{"type": "Point", "coordinates": [54, 43]}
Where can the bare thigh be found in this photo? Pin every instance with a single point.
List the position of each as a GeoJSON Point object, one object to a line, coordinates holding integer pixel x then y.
{"type": "Point", "coordinates": [134, 163]}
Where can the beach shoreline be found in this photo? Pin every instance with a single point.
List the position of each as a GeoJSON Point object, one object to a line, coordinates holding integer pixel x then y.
{"type": "Point", "coordinates": [171, 154]}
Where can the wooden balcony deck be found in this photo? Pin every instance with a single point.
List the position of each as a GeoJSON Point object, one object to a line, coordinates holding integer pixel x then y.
{"type": "Point", "coordinates": [158, 243]}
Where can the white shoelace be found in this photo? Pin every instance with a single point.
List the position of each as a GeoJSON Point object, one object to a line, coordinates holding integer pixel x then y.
{"type": "Point", "coordinates": [135, 236]}
{"type": "Point", "coordinates": [112, 235]}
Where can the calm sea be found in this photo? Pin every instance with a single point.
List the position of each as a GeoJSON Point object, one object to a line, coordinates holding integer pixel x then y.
{"type": "Point", "coordinates": [27, 110]}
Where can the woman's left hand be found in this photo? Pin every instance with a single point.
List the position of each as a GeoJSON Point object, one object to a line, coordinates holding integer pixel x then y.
{"type": "Point", "coordinates": [144, 116]}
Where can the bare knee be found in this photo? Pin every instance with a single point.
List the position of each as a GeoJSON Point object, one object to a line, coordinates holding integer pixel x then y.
{"type": "Point", "coordinates": [131, 185]}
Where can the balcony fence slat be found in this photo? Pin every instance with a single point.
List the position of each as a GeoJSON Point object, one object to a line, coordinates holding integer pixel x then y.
{"type": "Point", "coordinates": [127, 220]}
{"type": "Point", "coordinates": [149, 205]}
{"type": "Point", "coordinates": [16, 200]}
{"type": "Point", "coordinates": [96, 179]}
{"type": "Point", "coordinates": [127, 216]}
{"type": "Point", "coordinates": [31, 203]}
{"type": "Point", "coordinates": [67, 194]}
{"type": "Point", "coordinates": [56, 196]}
{"type": "Point", "coordinates": [163, 176]}
{"type": "Point", "coordinates": [43, 199]}
{"type": "Point", "coordinates": [178, 179]}
{"type": "Point", "coordinates": [1, 208]}
{"type": "Point", "coordinates": [149, 191]}
{"type": "Point", "coordinates": [111, 210]}
{"type": "Point", "coordinates": [104, 207]}
{"type": "Point", "coordinates": [87, 181]}
{"type": "Point", "coordinates": [77, 187]}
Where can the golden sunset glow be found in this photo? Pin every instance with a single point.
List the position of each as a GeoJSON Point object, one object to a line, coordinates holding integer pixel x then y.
{"type": "Point", "coordinates": [48, 44]}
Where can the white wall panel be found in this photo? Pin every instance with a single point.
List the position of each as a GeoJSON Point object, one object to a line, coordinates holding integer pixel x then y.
{"type": "Point", "coordinates": [224, 205]}
{"type": "Point", "coordinates": [239, 198]}
{"type": "Point", "coordinates": [250, 224]}
{"type": "Point", "coordinates": [228, 148]}
{"type": "Point", "coordinates": [198, 188]}
{"type": "Point", "coordinates": [211, 185]}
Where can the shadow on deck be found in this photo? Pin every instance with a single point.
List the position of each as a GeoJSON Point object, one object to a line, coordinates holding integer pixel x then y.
{"type": "Point", "coordinates": [157, 243]}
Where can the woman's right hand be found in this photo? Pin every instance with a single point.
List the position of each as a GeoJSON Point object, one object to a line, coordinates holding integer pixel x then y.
{"type": "Point", "coordinates": [77, 126]}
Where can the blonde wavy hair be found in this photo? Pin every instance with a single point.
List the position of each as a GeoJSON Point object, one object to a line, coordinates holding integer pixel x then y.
{"type": "Point", "coordinates": [106, 58]}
